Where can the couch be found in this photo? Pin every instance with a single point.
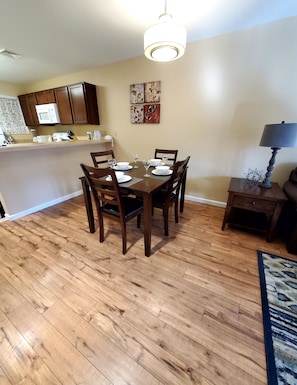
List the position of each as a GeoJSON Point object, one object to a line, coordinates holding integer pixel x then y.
{"type": "Point", "coordinates": [290, 190]}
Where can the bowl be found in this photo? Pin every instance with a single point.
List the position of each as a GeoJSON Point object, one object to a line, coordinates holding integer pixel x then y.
{"type": "Point", "coordinates": [123, 165]}
{"type": "Point", "coordinates": [163, 168]}
{"type": "Point", "coordinates": [155, 162]}
{"type": "Point", "coordinates": [119, 174]}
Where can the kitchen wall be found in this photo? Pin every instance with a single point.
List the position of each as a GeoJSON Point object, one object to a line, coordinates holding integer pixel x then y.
{"type": "Point", "coordinates": [215, 102]}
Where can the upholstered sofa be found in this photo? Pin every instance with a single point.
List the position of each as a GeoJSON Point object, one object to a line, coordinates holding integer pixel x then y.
{"type": "Point", "coordinates": [290, 189]}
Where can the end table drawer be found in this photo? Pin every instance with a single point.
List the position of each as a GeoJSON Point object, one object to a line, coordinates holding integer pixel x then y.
{"type": "Point", "coordinates": [254, 204]}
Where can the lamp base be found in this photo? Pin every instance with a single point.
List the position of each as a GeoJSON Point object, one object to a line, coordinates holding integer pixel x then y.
{"type": "Point", "coordinates": [265, 184]}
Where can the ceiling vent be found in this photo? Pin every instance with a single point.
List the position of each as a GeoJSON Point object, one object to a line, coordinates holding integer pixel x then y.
{"type": "Point", "coordinates": [11, 54]}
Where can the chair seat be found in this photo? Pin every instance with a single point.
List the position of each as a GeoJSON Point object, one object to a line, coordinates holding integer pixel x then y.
{"type": "Point", "coordinates": [131, 207]}
{"type": "Point", "coordinates": [160, 197]}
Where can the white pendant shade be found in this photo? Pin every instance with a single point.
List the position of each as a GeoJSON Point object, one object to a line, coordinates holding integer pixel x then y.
{"type": "Point", "coordinates": [165, 41]}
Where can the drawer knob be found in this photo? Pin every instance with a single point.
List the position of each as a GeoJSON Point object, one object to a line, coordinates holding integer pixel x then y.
{"type": "Point", "coordinates": [253, 203]}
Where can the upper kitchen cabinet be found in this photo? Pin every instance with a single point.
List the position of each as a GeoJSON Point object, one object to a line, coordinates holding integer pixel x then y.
{"type": "Point", "coordinates": [83, 101]}
{"type": "Point", "coordinates": [63, 103]}
{"type": "Point", "coordinates": [77, 104]}
{"type": "Point", "coordinates": [45, 97]}
{"type": "Point", "coordinates": [28, 103]}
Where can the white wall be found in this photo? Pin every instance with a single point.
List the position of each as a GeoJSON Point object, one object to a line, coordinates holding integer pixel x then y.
{"type": "Point", "coordinates": [215, 102]}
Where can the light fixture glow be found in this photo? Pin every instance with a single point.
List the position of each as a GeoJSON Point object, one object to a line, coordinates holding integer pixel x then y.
{"type": "Point", "coordinates": [165, 41]}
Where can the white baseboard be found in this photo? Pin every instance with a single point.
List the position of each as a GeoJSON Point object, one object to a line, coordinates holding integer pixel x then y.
{"type": "Point", "coordinates": [42, 206]}
{"type": "Point", "coordinates": [205, 201]}
{"type": "Point", "coordinates": [77, 193]}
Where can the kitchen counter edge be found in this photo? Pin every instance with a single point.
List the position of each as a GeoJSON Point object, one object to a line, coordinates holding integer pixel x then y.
{"type": "Point", "coordinates": [39, 146]}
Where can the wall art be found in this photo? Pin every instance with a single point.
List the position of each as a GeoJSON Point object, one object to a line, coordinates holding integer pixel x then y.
{"type": "Point", "coordinates": [145, 101]}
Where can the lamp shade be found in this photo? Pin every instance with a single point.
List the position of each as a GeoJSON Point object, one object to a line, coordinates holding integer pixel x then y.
{"type": "Point", "coordinates": [279, 135]}
{"type": "Point", "coordinates": [165, 41]}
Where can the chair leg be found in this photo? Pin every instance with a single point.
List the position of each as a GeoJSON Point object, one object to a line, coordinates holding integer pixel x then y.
{"type": "Point", "coordinates": [176, 211]}
{"type": "Point", "coordinates": [124, 238]}
{"type": "Point", "coordinates": [166, 215]}
{"type": "Point", "coordinates": [101, 229]}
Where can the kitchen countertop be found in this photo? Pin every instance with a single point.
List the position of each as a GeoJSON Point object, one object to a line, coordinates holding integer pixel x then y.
{"type": "Point", "coordinates": [51, 145]}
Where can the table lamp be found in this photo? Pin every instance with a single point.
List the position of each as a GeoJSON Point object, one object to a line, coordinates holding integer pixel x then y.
{"type": "Point", "coordinates": [277, 136]}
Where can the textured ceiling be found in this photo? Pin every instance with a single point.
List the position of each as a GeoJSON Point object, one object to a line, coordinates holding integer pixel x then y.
{"type": "Point", "coordinates": [58, 37]}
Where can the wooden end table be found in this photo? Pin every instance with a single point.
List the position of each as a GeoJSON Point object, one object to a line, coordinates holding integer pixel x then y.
{"type": "Point", "coordinates": [252, 207]}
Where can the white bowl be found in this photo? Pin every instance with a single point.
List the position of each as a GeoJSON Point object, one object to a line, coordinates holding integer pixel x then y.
{"type": "Point", "coordinates": [163, 168]}
{"type": "Point", "coordinates": [123, 165]}
{"type": "Point", "coordinates": [155, 162]}
{"type": "Point", "coordinates": [119, 174]}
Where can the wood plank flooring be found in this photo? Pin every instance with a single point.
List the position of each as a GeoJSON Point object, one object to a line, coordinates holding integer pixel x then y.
{"type": "Point", "coordinates": [74, 311]}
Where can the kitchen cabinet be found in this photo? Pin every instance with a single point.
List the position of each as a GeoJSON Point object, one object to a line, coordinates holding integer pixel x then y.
{"type": "Point", "coordinates": [63, 103]}
{"type": "Point", "coordinates": [77, 104]}
{"type": "Point", "coordinates": [28, 103]}
{"type": "Point", "coordinates": [45, 97]}
{"type": "Point", "coordinates": [83, 101]}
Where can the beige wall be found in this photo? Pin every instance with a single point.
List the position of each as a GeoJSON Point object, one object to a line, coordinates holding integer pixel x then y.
{"type": "Point", "coordinates": [215, 102]}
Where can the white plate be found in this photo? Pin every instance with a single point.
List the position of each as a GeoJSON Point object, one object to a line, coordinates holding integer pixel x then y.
{"type": "Point", "coordinates": [122, 169]}
{"type": "Point", "coordinates": [155, 172]}
{"type": "Point", "coordinates": [124, 179]}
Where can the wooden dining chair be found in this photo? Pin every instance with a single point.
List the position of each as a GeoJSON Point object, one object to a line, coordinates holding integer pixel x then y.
{"type": "Point", "coordinates": [164, 199]}
{"type": "Point", "coordinates": [101, 158]}
{"type": "Point", "coordinates": [110, 202]}
{"type": "Point", "coordinates": [171, 154]}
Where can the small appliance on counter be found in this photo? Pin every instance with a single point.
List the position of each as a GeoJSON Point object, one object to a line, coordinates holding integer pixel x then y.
{"type": "Point", "coordinates": [63, 136]}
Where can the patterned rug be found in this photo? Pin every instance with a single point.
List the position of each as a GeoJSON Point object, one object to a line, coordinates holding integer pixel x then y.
{"type": "Point", "coordinates": [278, 280]}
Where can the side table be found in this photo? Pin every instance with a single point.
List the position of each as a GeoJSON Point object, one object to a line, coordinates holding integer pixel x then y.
{"type": "Point", "coordinates": [252, 207]}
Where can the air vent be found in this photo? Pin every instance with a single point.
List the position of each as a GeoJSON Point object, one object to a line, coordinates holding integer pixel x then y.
{"type": "Point", "coordinates": [11, 54]}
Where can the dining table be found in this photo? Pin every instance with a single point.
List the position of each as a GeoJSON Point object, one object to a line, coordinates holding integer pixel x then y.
{"type": "Point", "coordinates": [138, 185]}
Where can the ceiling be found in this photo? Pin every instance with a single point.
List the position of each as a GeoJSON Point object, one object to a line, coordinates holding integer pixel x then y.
{"type": "Point", "coordinates": [58, 37]}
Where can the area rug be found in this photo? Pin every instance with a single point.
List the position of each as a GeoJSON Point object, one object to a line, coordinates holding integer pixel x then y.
{"type": "Point", "coordinates": [278, 280]}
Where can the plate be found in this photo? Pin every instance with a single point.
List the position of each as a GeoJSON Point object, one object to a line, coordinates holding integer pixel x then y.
{"type": "Point", "coordinates": [124, 179]}
{"type": "Point", "coordinates": [159, 174]}
{"type": "Point", "coordinates": [122, 169]}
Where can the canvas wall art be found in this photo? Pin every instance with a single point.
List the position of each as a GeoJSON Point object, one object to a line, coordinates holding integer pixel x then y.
{"type": "Point", "coordinates": [145, 101]}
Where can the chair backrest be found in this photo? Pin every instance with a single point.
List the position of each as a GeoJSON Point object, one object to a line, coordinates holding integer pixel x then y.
{"type": "Point", "coordinates": [174, 183]}
{"type": "Point", "coordinates": [171, 155]}
{"type": "Point", "coordinates": [100, 158]}
{"type": "Point", "coordinates": [105, 188]}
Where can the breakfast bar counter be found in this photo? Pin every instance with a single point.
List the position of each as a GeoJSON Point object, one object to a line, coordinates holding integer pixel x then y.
{"type": "Point", "coordinates": [34, 176]}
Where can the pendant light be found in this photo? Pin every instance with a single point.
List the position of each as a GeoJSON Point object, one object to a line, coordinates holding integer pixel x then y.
{"type": "Point", "coordinates": [165, 41]}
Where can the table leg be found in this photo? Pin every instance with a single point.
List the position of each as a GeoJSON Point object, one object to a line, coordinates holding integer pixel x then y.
{"type": "Point", "coordinates": [147, 223]}
{"type": "Point", "coordinates": [88, 203]}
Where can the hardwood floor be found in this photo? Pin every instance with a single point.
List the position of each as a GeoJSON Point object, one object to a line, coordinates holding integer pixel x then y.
{"type": "Point", "coordinates": [74, 311]}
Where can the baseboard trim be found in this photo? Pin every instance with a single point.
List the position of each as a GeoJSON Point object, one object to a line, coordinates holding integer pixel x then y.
{"type": "Point", "coordinates": [205, 201]}
{"type": "Point", "coordinates": [77, 193]}
{"type": "Point", "coordinates": [42, 206]}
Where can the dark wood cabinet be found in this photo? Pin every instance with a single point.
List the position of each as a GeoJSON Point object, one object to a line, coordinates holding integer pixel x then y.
{"type": "Point", "coordinates": [63, 103]}
{"type": "Point", "coordinates": [253, 207]}
{"type": "Point", "coordinates": [28, 103]}
{"type": "Point", "coordinates": [45, 97]}
{"type": "Point", "coordinates": [83, 101]}
{"type": "Point", "coordinates": [77, 104]}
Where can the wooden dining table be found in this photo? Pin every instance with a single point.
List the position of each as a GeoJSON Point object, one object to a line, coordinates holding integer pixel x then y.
{"type": "Point", "coordinates": [139, 185]}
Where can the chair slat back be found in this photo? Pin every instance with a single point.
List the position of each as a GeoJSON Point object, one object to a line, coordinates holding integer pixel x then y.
{"type": "Point", "coordinates": [101, 158]}
{"type": "Point", "coordinates": [171, 154]}
{"type": "Point", "coordinates": [104, 186]}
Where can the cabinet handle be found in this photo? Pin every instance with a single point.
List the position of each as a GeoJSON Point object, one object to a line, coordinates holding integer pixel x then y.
{"type": "Point", "coordinates": [253, 203]}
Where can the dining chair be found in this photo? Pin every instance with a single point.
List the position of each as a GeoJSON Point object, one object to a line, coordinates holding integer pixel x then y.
{"type": "Point", "coordinates": [164, 199]}
{"type": "Point", "coordinates": [171, 154]}
{"type": "Point", "coordinates": [101, 158]}
{"type": "Point", "coordinates": [110, 202]}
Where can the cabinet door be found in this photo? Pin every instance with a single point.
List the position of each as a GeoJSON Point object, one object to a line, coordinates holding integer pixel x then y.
{"type": "Point", "coordinates": [44, 97]}
{"type": "Point", "coordinates": [83, 100]}
{"type": "Point", "coordinates": [28, 103]}
{"type": "Point", "coordinates": [78, 105]}
{"type": "Point", "coordinates": [63, 103]}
